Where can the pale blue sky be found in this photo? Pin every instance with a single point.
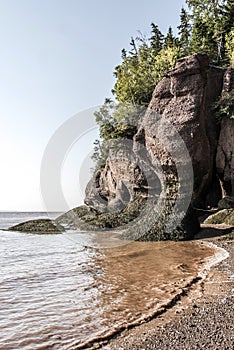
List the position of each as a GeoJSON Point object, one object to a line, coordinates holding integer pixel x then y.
{"type": "Point", "coordinates": [57, 59]}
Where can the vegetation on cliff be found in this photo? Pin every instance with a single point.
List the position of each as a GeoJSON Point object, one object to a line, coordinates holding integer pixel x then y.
{"type": "Point", "coordinates": [205, 26]}
{"type": "Point", "coordinates": [206, 36]}
{"type": "Point", "coordinates": [224, 108]}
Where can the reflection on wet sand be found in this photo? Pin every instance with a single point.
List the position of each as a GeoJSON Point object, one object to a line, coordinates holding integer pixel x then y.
{"type": "Point", "coordinates": [133, 281]}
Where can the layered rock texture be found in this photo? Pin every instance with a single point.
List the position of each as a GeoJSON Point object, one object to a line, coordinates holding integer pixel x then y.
{"type": "Point", "coordinates": [157, 166]}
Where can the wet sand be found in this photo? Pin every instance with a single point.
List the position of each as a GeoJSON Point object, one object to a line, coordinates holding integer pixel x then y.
{"type": "Point", "coordinates": [141, 280]}
{"type": "Point", "coordinates": [201, 318]}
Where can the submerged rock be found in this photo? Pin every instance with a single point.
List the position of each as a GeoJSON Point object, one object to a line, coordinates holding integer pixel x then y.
{"type": "Point", "coordinates": [38, 226]}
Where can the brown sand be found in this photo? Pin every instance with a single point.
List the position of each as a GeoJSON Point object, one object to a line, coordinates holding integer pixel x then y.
{"type": "Point", "coordinates": [201, 319]}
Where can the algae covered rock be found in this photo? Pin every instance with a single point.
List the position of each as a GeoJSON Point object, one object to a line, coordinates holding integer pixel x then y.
{"type": "Point", "coordinates": [225, 216]}
{"type": "Point", "coordinates": [89, 219]}
{"type": "Point", "coordinates": [46, 226]}
{"type": "Point", "coordinates": [73, 218]}
{"type": "Point", "coordinates": [118, 219]}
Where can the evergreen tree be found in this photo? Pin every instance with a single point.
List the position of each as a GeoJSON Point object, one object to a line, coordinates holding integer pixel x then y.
{"type": "Point", "coordinates": [184, 31]}
{"type": "Point", "coordinates": [207, 28]}
{"type": "Point", "coordinates": [123, 54]}
{"type": "Point", "coordinates": [170, 40]}
{"type": "Point", "coordinates": [202, 38]}
{"type": "Point", "coordinates": [125, 75]}
{"type": "Point", "coordinates": [228, 15]}
{"type": "Point", "coordinates": [230, 47]}
{"type": "Point", "coordinates": [133, 51]}
{"type": "Point", "coordinates": [156, 40]}
{"type": "Point", "coordinates": [228, 28]}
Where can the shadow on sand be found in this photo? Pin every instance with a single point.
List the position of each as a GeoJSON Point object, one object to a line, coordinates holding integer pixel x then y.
{"type": "Point", "coordinates": [212, 231]}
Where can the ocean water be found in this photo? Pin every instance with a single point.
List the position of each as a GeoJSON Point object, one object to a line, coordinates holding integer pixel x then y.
{"type": "Point", "coordinates": [63, 291]}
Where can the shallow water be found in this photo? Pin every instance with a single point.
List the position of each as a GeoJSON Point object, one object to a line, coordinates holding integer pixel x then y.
{"type": "Point", "coordinates": [59, 292]}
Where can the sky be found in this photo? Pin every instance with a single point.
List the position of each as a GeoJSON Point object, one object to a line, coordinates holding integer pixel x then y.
{"type": "Point", "coordinates": [57, 60]}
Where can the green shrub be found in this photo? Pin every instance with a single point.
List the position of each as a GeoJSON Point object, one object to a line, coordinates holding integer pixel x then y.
{"type": "Point", "coordinates": [224, 107]}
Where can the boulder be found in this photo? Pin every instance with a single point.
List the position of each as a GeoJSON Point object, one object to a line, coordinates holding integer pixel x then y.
{"type": "Point", "coordinates": [226, 203]}
{"type": "Point", "coordinates": [46, 226]}
{"type": "Point", "coordinates": [75, 217]}
{"type": "Point", "coordinates": [225, 216]}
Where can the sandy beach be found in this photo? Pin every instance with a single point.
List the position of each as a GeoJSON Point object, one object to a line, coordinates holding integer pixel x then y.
{"type": "Point", "coordinates": [202, 318]}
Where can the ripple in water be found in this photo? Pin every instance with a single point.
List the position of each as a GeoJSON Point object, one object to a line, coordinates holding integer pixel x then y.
{"type": "Point", "coordinates": [57, 294]}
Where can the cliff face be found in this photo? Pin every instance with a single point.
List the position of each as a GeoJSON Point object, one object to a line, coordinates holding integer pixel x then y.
{"type": "Point", "coordinates": [225, 150]}
{"type": "Point", "coordinates": [156, 160]}
{"type": "Point", "coordinates": [185, 98]}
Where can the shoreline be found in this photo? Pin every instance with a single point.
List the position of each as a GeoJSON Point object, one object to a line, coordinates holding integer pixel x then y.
{"type": "Point", "coordinates": [202, 315]}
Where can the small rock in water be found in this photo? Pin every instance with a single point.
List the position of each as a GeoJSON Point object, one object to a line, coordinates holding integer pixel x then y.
{"type": "Point", "coordinates": [38, 226]}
